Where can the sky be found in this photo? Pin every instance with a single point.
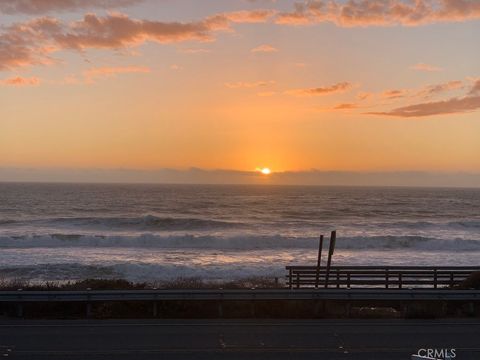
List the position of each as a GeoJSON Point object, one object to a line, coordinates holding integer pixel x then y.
{"type": "Point", "coordinates": [231, 86]}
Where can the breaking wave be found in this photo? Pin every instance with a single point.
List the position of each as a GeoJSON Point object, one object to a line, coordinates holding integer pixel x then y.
{"type": "Point", "coordinates": [146, 223]}
{"type": "Point", "coordinates": [236, 243]}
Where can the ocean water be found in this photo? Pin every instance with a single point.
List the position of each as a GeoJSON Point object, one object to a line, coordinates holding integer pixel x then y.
{"type": "Point", "coordinates": [155, 232]}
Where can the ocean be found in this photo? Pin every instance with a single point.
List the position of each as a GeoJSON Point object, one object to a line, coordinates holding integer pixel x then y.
{"type": "Point", "coordinates": [58, 232]}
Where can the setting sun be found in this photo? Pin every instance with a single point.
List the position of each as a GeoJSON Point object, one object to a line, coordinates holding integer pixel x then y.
{"type": "Point", "coordinates": [265, 171]}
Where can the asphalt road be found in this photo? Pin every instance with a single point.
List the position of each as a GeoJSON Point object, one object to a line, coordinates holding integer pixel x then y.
{"type": "Point", "coordinates": [236, 339]}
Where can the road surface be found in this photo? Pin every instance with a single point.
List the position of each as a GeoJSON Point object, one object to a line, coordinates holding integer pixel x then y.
{"type": "Point", "coordinates": [236, 339]}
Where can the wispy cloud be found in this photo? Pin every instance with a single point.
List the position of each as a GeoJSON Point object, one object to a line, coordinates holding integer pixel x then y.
{"type": "Point", "coordinates": [346, 106]}
{"type": "Point", "coordinates": [248, 85]}
{"type": "Point", "coordinates": [380, 13]}
{"type": "Point", "coordinates": [320, 91]}
{"type": "Point", "coordinates": [21, 81]}
{"type": "Point", "coordinates": [32, 42]}
{"type": "Point", "coordinates": [245, 16]}
{"type": "Point", "coordinates": [454, 105]}
{"type": "Point", "coordinates": [35, 7]}
{"type": "Point", "coordinates": [475, 90]}
{"type": "Point", "coordinates": [450, 106]}
{"type": "Point", "coordinates": [265, 48]}
{"type": "Point", "coordinates": [395, 94]}
{"type": "Point", "coordinates": [101, 72]}
{"type": "Point", "coordinates": [426, 67]}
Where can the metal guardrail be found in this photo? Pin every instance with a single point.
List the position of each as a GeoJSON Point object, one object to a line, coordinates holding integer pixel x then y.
{"type": "Point", "coordinates": [239, 295]}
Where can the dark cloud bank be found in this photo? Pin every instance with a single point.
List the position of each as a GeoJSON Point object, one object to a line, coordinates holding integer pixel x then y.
{"type": "Point", "coordinates": [200, 176]}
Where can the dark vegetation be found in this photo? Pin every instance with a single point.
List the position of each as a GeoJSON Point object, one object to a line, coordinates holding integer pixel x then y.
{"type": "Point", "coordinates": [120, 284]}
{"type": "Point", "coordinates": [225, 309]}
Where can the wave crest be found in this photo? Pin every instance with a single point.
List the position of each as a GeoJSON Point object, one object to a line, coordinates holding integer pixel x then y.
{"type": "Point", "coordinates": [236, 243]}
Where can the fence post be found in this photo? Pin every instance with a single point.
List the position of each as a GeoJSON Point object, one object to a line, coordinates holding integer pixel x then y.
{"type": "Point", "coordinates": [298, 280]}
{"type": "Point", "coordinates": [290, 278]}
{"type": "Point", "coordinates": [451, 279]}
{"type": "Point", "coordinates": [338, 278]}
{"type": "Point", "coordinates": [400, 280]}
{"type": "Point", "coordinates": [435, 278]}
{"type": "Point", "coordinates": [387, 278]}
{"type": "Point", "coordinates": [319, 259]}
{"type": "Point", "coordinates": [333, 238]}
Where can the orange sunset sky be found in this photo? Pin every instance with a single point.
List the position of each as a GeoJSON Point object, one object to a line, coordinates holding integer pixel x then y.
{"type": "Point", "coordinates": [362, 86]}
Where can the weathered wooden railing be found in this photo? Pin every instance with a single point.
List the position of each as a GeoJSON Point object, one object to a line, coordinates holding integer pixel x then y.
{"type": "Point", "coordinates": [378, 276]}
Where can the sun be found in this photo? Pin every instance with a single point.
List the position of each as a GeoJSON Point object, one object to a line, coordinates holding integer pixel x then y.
{"type": "Point", "coordinates": [264, 171]}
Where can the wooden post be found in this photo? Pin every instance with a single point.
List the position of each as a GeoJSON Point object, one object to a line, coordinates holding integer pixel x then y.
{"type": "Point", "coordinates": [319, 260]}
{"type": "Point", "coordinates": [331, 249]}
{"type": "Point", "coordinates": [435, 279]}
{"type": "Point", "coordinates": [298, 280]}
{"type": "Point", "coordinates": [399, 280]}
{"type": "Point", "coordinates": [290, 280]}
{"type": "Point", "coordinates": [338, 278]}
{"type": "Point", "coordinates": [387, 278]}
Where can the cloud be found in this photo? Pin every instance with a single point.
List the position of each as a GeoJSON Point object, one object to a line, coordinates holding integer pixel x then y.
{"type": "Point", "coordinates": [450, 106]}
{"type": "Point", "coordinates": [248, 85]}
{"type": "Point", "coordinates": [426, 67]}
{"type": "Point", "coordinates": [380, 12]}
{"type": "Point", "coordinates": [346, 106]}
{"type": "Point", "coordinates": [119, 31]}
{"type": "Point", "coordinates": [395, 94]}
{"type": "Point", "coordinates": [194, 51]}
{"type": "Point", "coordinates": [264, 49]}
{"type": "Point", "coordinates": [203, 176]}
{"type": "Point", "coordinates": [32, 42]}
{"type": "Point", "coordinates": [102, 72]}
{"type": "Point", "coordinates": [21, 81]}
{"type": "Point", "coordinates": [433, 90]}
{"type": "Point", "coordinates": [475, 88]}
{"type": "Point", "coordinates": [245, 16]}
{"type": "Point", "coordinates": [32, 7]}
{"type": "Point", "coordinates": [175, 67]}
{"type": "Point", "coordinates": [320, 91]}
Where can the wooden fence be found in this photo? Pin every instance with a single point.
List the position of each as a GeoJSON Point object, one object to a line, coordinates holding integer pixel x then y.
{"type": "Point", "coordinates": [388, 277]}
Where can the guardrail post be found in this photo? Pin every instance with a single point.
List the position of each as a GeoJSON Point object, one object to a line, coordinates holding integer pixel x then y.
{"type": "Point", "coordinates": [348, 279]}
{"type": "Point", "coordinates": [338, 278]}
{"type": "Point", "coordinates": [399, 280]}
{"type": "Point", "coordinates": [387, 278]}
{"type": "Point", "coordinates": [19, 305]}
{"type": "Point", "coordinates": [220, 309]}
{"type": "Point", "coordinates": [451, 279]}
{"type": "Point", "coordinates": [298, 280]}
{"type": "Point", "coordinates": [89, 306]}
{"type": "Point", "coordinates": [19, 308]}
{"type": "Point", "coordinates": [435, 278]}
{"type": "Point", "coordinates": [155, 309]}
